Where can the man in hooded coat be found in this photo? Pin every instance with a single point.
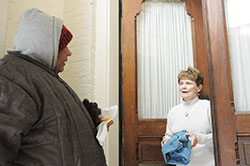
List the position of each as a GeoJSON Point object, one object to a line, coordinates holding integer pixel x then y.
{"type": "Point", "coordinates": [42, 120]}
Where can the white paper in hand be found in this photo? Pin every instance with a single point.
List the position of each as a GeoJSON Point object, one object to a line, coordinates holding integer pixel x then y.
{"type": "Point", "coordinates": [102, 129]}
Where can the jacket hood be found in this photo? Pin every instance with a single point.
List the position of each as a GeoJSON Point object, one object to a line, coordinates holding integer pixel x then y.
{"type": "Point", "coordinates": [38, 37]}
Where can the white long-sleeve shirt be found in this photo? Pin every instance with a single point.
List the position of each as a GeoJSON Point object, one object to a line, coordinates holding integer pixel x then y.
{"type": "Point", "coordinates": [195, 117]}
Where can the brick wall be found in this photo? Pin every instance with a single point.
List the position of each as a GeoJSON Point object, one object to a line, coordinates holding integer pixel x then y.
{"type": "Point", "coordinates": [79, 17]}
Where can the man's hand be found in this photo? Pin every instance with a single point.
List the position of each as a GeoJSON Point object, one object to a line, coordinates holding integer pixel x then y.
{"type": "Point", "coordinates": [93, 110]}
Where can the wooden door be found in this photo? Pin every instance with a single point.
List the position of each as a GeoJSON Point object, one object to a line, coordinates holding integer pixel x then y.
{"type": "Point", "coordinates": [140, 137]}
{"type": "Point", "coordinates": [231, 129]}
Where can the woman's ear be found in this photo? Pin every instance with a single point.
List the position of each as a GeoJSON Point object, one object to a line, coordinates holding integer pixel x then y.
{"type": "Point", "coordinates": [200, 87]}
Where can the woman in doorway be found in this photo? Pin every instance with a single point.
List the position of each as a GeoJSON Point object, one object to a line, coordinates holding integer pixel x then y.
{"type": "Point", "coordinates": [194, 116]}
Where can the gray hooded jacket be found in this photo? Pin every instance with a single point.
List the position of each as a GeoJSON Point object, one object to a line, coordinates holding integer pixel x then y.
{"type": "Point", "coordinates": [42, 121]}
{"type": "Point", "coordinates": [38, 37]}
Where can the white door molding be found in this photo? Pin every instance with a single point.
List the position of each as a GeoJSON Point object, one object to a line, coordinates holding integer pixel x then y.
{"type": "Point", "coordinates": [3, 25]}
{"type": "Point", "coordinates": [106, 69]}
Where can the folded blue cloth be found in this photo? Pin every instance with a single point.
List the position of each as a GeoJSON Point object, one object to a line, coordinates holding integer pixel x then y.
{"type": "Point", "coordinates": [177, 150]}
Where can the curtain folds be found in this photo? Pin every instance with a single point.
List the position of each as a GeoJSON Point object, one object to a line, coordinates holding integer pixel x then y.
{"type": "Point", "coordinates": [238, 29]}
{"type": "Point", "coordinates": [164, 48]}
{"type": "Point", "coordinates": [239, 47]}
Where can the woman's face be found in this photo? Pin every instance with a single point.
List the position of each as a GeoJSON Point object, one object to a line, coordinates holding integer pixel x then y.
{"type": "Point", "coordinates": [189, 89]}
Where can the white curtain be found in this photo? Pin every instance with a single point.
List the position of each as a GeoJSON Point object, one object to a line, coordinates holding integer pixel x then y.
{"type": "Point", "coordinates": [164, 48]}
{"type": "Point", "coordinates": [238, 27]}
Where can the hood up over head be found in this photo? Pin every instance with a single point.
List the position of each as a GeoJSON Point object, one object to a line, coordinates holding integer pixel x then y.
{"type": "Point", "coordinates": [38, 37]}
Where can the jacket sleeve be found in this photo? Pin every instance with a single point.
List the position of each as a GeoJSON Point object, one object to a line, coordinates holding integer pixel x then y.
{"type": "Point", "coordinates": [18, 113]}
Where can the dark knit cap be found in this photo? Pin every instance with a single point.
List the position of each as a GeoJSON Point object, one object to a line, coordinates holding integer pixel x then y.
{"type": "Point", "coordinates": [65, 38]}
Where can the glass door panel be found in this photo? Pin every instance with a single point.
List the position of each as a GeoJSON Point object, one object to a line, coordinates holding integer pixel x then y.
{"type": "Point", "coordinates": [238, 28]}
{"type": "Point", "coordinates": [164, 48]}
